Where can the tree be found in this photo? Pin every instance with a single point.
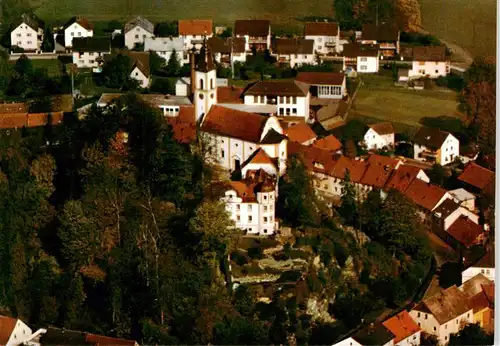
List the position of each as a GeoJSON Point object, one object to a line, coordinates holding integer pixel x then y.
{"type": "Point", "coordinates": [471, 334]}
{"type": "Point", "coordinates": [228, 32]}
{"type": "Point", "coordinates": [166, 29]}
{"type": "Point", "coordinates": [348, 207]}
{"type": "Point", "coordinates": [437, 174]}
{"type": "Point", "coordinates": [48, 44]}
{"type": "Point", "coordinates": [116, 73]}
{"type": "Point", "coordinates": [156, 62]}
{"type": "Point", "coordinates": [173, 66]}
{"type": "Point", "coordinates": [161, 85]}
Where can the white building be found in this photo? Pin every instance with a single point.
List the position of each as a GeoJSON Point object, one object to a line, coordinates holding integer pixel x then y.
{"type": "Point", "coordinates": [485, 266]}
{"type": "Point", "coordinates": [27, 33]}
{"type": "Point", "coordinates": [429, 62]}
{"type": "Point", "coordinates": [324, 85]}
{"type": "Point", "coordinates": [164, 46]}
{"type": "Point", "coordinates": [257, 33]}
{"type": "Point", "coordinates": [443, 314]}
{"type": "Point", "coordinates": [435, 145]}
{"type": "Point", "coordinates": [464, 198]}
{"type": "Point", "coordinates": [89, 52]}
{"type": "Point", "coordinates": [137, 30]}
{"type": "Point", "coordinates": [193, 31]}
{"type": "Point", "coordinates": [294, 52]}
{"type": "Point", "coordinates": [140, 67]}
{"type": "Point", "coordinates": [363, 58]}
{"type": "Point", "coordinates": [77, 27]}
{"type": "Point", "coordinates": [379, 136]}
{"type": "Point", "coordinates": [406, 332]}
{"type": "Point", "coordinates": [14, 331]}
{"type": "Point", "coordinates": [228, 51]}
{"type": "Point", "coordinates": [326, 37]}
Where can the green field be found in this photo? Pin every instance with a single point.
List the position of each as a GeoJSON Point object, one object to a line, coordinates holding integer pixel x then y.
{"type": "Point", "coordinates": [53, 66]}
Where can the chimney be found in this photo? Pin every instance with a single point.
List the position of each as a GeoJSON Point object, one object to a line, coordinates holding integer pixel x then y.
{"type": "Point", "coordinates": [192, 66]}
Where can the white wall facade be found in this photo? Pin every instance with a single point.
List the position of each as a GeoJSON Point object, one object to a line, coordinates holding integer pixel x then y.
{"type": "Point", "coordinates": [75, 30]}
{"type": "Point", "coordinates": [321, 42]}
{"type": "Point", "coordinates": [20, 334]}
{"type": "Point", "coordinates": [266, 167]}
{"type": "Point", "coordinates": [430, 325]}
{"type": "Point", "coordinates": [412, 340]}
{"type": "Point", "coordinates": [188, 40]}
{"type": "Point", "coordinates": [249, 40]}
{"type": "Point", "coordinates": [432, 69]}
{"type": "Point", "coordinates": [348, 342]}
{"type": "Point", "coordinates": [140, 77]}
{"type": "Point", "coordinates": [456, 214]}
{"type": "Point", "coordinates": [205, 94]}
{"type": "Point", "coordinates": [228, 151]}
{"type": "Point", "coordinates": [137, 35]}
{"type": "Point", "coordinates": [449, 151]}
{"type": "Point", "coordinates": [367, 64]}
{"type": "Point", "coordinates": [469, 273]}
{"type": "Point", "coordinates": [375, 141]}
{"type": "Point", "coordinates": [25, 37]}
{"type": "Point", "coordinates": [87, 59]}
{"type": "Point", "coordinates": [297, 106]}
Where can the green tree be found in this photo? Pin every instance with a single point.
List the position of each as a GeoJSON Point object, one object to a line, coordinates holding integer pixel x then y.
{"type": "Point", "coordinates": [437, 174]}
{"type": "Point", "coordinates": [166, 29]}
{"type": "Point", "coordinates": [228, 32]}
{"type": "Point", "coordinates": [162, 86]}
{"type": "Point", "coordinates": [48, 44]}
{"type": "Point", "coordinates": [116, 73]}
{"type": "Point", "coordinates": [348, 206]}
{"type": "Point", "coordinates": [156, 62]}
{"type": "Point", "coordinates": [471, 334]}
{"type": "Point", "coordinates": [173, 65]}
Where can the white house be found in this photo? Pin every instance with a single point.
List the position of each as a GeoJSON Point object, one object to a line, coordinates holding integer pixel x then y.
{"type": "Point", "coordinates": [464, 198]}
{"type": "Point", "coordinates": [449, 211]}
{"type": "Point", "coordinates": [443, 314]}
{"type": "Point", "coordinates": [406, 332]}
{"type": "Point", "coordinates": [294, 52]}
{"type": "Point", "coordinates": [291, 98]}
{"type": "Point", "coordinates": [257, 33]}
{"type": "Point", "coordinates": [137, 30]}
{"type": "Point", "coordinates": [164, 46]}
{"type": "Point", "coordinates": [27, 33]}
{"type": "Point", "coordinates": [77, 27]}
{"type": "Point", "coordinates": [485, 266]}
{"type": "Point", "coordinates": [14, 331]}
{"type": "Point", "coordinates": [326, 36]}
{"type": "Point", "coordinates": [429, 62]}
{"type": "Point", "coordinates": [193, 31]}
{"type": "Point", "coordinates": [89, 52]}
{"type": "Point", "coordinates": [140, 70]}
{"type": "Point", "coordinates": [385, 36]}
{"type": "Point", "coordinates": [379, 136]}
{"type": "Point", "coordinates": [434, 145]}
{"type": "Point", "coordinates": [324, 85]}
{"type": "Point", "coordinates": [228, 51]}
{"type": "Point", "coordinates": [363, 58]}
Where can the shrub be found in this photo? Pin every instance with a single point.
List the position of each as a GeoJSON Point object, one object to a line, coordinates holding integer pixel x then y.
{"type": "Point", "coordinates": [239, 258]}
{"type": "Point", "coordinates": [255, 252]}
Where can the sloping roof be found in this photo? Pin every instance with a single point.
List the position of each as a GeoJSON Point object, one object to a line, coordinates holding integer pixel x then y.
{"type": "Point", "coordinates": [401, 325]}
{"type": "Point", "coordinates": [164, 44]}
{"type": "Point", "coordinates": [230, 94]}
{"type": "Point", "coordinates": [293, 46]}
{"type": "Point", "coordinates": [184, 125]}
{"type": "Point", "coordinates": [91, 44]}
{"type": "Point", "coordinates": [374, 334]}
{"type": "Point", "coordinates": [479, 302]}
{"type": "Point", "coordinates": [330, 143]}
{"type": "Point", "coordinates": [474, 285]}
{"type": "Point", "coordinates": [81, 21]}
{"type": "Point", "coordinates": [272, 137]}
{"type": "Point", "coordinates": [487, 261]}
{"type": "Point", "coordinates": [195, 27]}
{"type": "Point", "coordinates": [300, 133]}
{"type": "Point", "coordinates": [321, 29]}
{"type": "Point", "coordinates": [465, 231]}
{"type": "Point", "coordinates": [100, 340]}
{"type": "Point", "coordinates": [462, 194]}
{"type": "Point", "coordinates": [356, 168]}
{"type": "Point", "coordinates": [233, 123]}
{"type": "Point", "coordinates": [446, 208]}
{"type": "Point", "coordinates": [312, 156]}
{"type": "Point", "coordinates": [12, 121]}
{"type": "Point", "coordinates": [30, 20]}
{"type": "Point", "coordinates": [14, 107]}
{"type": "Point", "coordinates": [379, 170]}
{"type": "Point", "coordinates": [139, 60]}
{"type": "Point", "coordinates": [7, 325]}
{"type": "Point", "coordinates": [402, 177]}
{"type": "Point", "coordinates": [278, 88]}
{"type": "Point", "coordinates": [489, 291]}
{"type": "Point", "coordinates": [259, 156]}
{"type": "Point", "coordinates": [140, 22]}
{"type": "Point", "coordinates": [476, 175]}
{"type": "Point", "coordinates": [446, 305]}
{"type": "Point", "coordinates": [383, 32]}
{"type": "Point", "coordinates": [354, 50]}
{"type": "Point", "coordinates": [252, 28]}
{"type": "Point", "coordinates": [219, 45]}
{"type": "Point", "coordinates": [60, 337]}
{"type": "Point", "coordinates": [429, 53]}
{"type": "Point", "coordinates": [424, 194]}
{"type": "Point", "coordinates": [321, 78]}
{"type": "Point", "coordinates": [382, 128]}
{"type": "Point", "coordinates": [430, 137]}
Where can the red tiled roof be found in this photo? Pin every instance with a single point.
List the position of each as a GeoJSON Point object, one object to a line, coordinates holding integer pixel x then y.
{"type": "Point", "coordinates": [311, 156]}
{"type": "Point", "coordinates": [244, 190]}
{"type": "Point", "coordinates": [17, 107]}
{"type": "Point", "coordinates": [476, 175]}
{"type": "Point", "coordinates": [195, 27]}
{"type": "Point", "coordinates": [321, 29]}
{"type": "Point", "coordinates": [321, 78]}
{"type": "Point", "coordinates": [100, 340]}
{"type": "Point", "coordinates": [479, 302]}
{"type": "Point", "coordinates": [252, 28]}
{"type": "Point", "coordinates": [300, 133]}
{"type": "Point", "coordinates": [424, 194]}
{"type": "Point", "coordinates": [260, 157]}
{"type": "Point", "coordinates": [489, 291]}
{"type": "Point", "coordinates": [356, 169]}
{"type": "Point", "coordinates": [402, 326]}
{"type": "Point", "coordinates": [7, 325]}
{"type": "Point", "coordinates": [80, 20]}
{"type": "Point", "coordinates": [230, 95]}
{"type": "Point", "coordinates": [234, 123]}
{"type": "Point", "coordinates": [41, 119]}
{"type": "Point", "coordinates": [379, 170]}
{"type": "Point", "coordinates": [465, 231]}
{"type": "Point", "coordinates": [278, 88]}
{"type": "Point", "coordinates": [402, 177]}
{"type": "Point", "coordinates": [330, 143]}
{"type": "Point", "coordinates": [184, 125]}
{"type": "Point", "coordinates": [11, 121]}
{"type": "Point", "coordinates": [382, 128]}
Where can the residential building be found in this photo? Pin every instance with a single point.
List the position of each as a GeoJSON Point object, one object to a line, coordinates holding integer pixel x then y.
{"type": "Point", "coordinates": [257, 33]}
{"type": "Point", "coordinates": [429, 62]}
{"type": "Point", "coordinates": [165, 46]}
{"type": "Point", "coordinates": [193, 31]}
{"type": "Point", "coordinates": [13, 331]}
{"type": "Point", "coordinates": [478, 179]}
{"type": "Point", "coordinates": [434, 145]}
{"type": "Point", "coordinates": [427, 197]}
{"type": "Point", "coordinates": [386, 36]}
{"type": "Point", "coordinates": [294, 52]}
{"type": "Point", "coordinates": [77, 27]}
{"type": "Point", "coordinates": [379, 136]}
{"type": "Point", "coordinates": [137, 30]}
{"type": "Point", "coordinates": [481, 294]}
{"type": "Point", "coordinates": [227, 51]}
{"type": "Point", "coordinates": [361, 58]}
{"type": "Point", "coordinates": [449, 211]}
{"type": "Point", "coordinates": [348, 342]}
{"type": "Point", "coordinates": [443, 314]}
{"type": "Point", "coordinates": [140, 67]}
{"type": "Point", "coordinates": [466, 233]}
{"type": "Point", "coordinates": [290, 98]}
{"type": "Point", "coordinates": [404, 176]}
{"type": "Point", "coordinates": [260, 161]}
{"type": "Point", "coordinates": [485, 266]}
{"type": "Point", "coordinates": [89, 52]}
{"type": "Point", "coordinates": [324, 85]}
{"type": "Point", "coordinates": [374, 334]}
{"type": "Point", "coordinates": [326, 36]}
{"type": "Point", "coordinates": [27, 33]}
{"type": "Point", "coordinates": [329, 143]}
{"type": "Point", "coordinates": [329, 114]}
{"type": "Point", "coordinates": [406, 332]}
{"type": "Point", "coordinates": [464, 198]}
{"type": "Point", "coordinates": [300, 133]}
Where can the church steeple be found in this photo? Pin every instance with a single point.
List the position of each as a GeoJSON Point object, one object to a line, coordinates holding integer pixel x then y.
{"type": "Point", "coordinates": [205, 79]}
{"type": "Point", "coordinates": [205, 61]}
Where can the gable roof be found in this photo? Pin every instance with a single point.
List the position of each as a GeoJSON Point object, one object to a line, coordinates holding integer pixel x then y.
{"type": "Point", "coordinates": [465, 231]}
{"type": "Point", "coordinates": [321, 29]}
{"type": "Point", "coordinates": [356, 169]}
{"type": "Point", "coordinates": [195, 27]}
{"type": "Point", "coordinates": [429, 53]}
{"type": "Point", "coordinates": [300, 133]}
{"type": "Point", "coordinates": [446, 208]}
{"type": "Point", "coordinates": [219, 45]}
{"type": "Point", "coordinates": [474, 285]}
{"type": "Point", "coordinates": [476, 176]}
{"type": "Point", "coordinates": [430, 137]}
{"type": "Point", "coordinates": [57, 336]}
{"type": "Point", "coordinates": [81, 21]}
{"type": "Point", "coordinates": [272, 137]}
{"type": "Point", "coordinates": [311, 157]}
{"type": "Point", "coordinates": [278, 88]}
{"type": "Point", "coordinates": [487, 261]}
{"type": "Point", "coordinates": [259, 156]}
{"type": "Point", "coordinates": [425, 194]}
{"type": "Point", "coordinates": [19, 120]}
{"type": "Point", "coordinates": [445, 305]}
{"type": "Point", "coordinates": [230, 94]}
{"type": "Point", "coordinates": [91, 44]}
{"type": "Point", "coordinates": [293, 46]}
{"type": "Point", "coordinates": [382, 128]}
{"type": "Point", "coordinates": [480, 302]}
{"type": "Point", "coordinates": [462, 194]}
{"type": "Point", "coordinates": [354, 50]}
{"type": "Point", "coordinates": [373, 334]}
{"type": "Point", "coordinates": [139, 60]}
{"type": "Point", "coordinates": [252, 28]}
{"type": "Point", "coordinates": [140, 22]}
{"type": "Point", "coordinates": [321, 78]}
{"type": "Point", "coordinates": [330, 143]}
{"type": "Point", "coordinates": [379, 170]}
{"type": "Point", "coordinates": [382, 32]}
{"type": "Point", "coordinates": [233, 123]}
{"type": "Point", "coordinates": [401, 325]}
{"type": "Point", "coordinates": [402, 177]}
{"type": "Point", "coordinates": [30, 20]}
{"type": "Point", "coordinates": [164, 44]}
{"type": "Point", "coordinates": [101, 340]}
{"type": "Point", "coordinates": [7, 326]}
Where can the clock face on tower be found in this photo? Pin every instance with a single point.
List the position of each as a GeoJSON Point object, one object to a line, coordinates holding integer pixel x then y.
{"type": "Point", "coordinates": [201, 96]}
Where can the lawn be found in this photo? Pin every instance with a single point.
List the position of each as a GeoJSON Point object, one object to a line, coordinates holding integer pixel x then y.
{"type": "Point", "coordinates": [53, 66]}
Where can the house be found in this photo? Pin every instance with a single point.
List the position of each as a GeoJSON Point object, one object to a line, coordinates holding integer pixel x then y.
{"type": "Point", "coordinates": [165, 46]}
{"type": "Point", "coordinates": [404, 176]}
{"type": "Point", "coordinates": [406, 332]}
{"type": "Point", "coordinates": [326, 36]}
{"type": "Point", "coordinates": [193, 31]}
{"type": "Point", "coordinates": [478, 179]}
{"type": "Point", "coordinates": [324, 85]}
{"type": "Point", "coordinates": [137, 30]}
{"type": "Point", "coordinates": [464, 198]}
{"type": "Point", "coordinates": [13, 331]}
{"type": "Point", "coordinates": [329, 143]}
{"type": "Point", "coordinates": [140, 67]}
{"type": "Point", "coordinates": [227, 51]}
{"type": "Point", "coordinates": [449, 211]}
{"type": "Point", "coordinates": [481, 294]}
{"type": "Point", "coordinates": [290, 99]}
{"type": "Point", "coordinates": [257, 33]}
{"type": "Point", "coordinates": [236, 135]}
{"type": "Point", "coordinates": [374, 334]}
{"type": "Point", "coordinates": [330, 115]}
{"type": "Point", "coordinates": [77, 27]}
{"type": "Point", "coordinates": [89, 52]}
{"type": "Point", "coordinates": [444, 313]}
{"type": "Point", "coordinates": [427, 197]}
{"type": "Point", "coordinates": [429, 61]}
{"type": "Point", "coordinates": [466, 233]}
{"type": "Point", "coordinates": [485, 266]}
{"type": "Point", "coordinates": [57, 336]}
{"type": "Point", "coordinates": [260, 161]}
{"type": "Point", "coordinates": [300, 133]}
{"type": "Point", "coordinates": [361, 58]}
{"type": "Point", "coordinates": [294, 52]}
{"type": "Point", "coordinates": [434, 145]}
{"type": "Point", "coordinates": [27, 33]}
{"type": "Point", "coordinates": [385, 36]}
{"type": "Point", "coordinates": [379, 136]}
{"type": "Point", "coordinates": [378, 172]}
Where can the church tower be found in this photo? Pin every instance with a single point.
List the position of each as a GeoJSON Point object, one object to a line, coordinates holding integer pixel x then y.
{"type": "Point", "coordinates": [204, 83]}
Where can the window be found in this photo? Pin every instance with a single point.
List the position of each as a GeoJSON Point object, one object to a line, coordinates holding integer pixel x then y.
{"type": "Point", "coordinates": [421, 71]}
{"type": "Point", "coordinates": [265, 219]}
{"type": "Point", "coordinates": [482, 271]}
{"type": "Point", "coordinates": [468, 315]}
{"type": "Point", "coordinates": [363, 59]}
{"type": "Point", "coordinates": [79, 34]}
{"type": "Point", "coordinates": [249, 207]}
{"type": "Point", "coordinates": [222, 153]}
{"type": "Point", "coordinates": [414, 336]}
{"type": "Point", "coordinates": [137, 29]}
{"type": "Point", "coordinates": [29, 42]}
{"type": "Point", "coordinates": [211, 83]}
{"type": "Point", "coordinates": [320, 39]}
{"type": "Point", "coordinates": [363, 67]}
{"type": "Point", "coordinates": [237, 207]}
{"type": "Point", "coordinates": [72, 34]}
{"type": "Point", "coordinates": [294, 111]}
{"type": "Point", "coordinates": [28, 34]}
{"type": "Point", "coordinates": [487, 270]}
{"type": "Point", "coordinates": [255, 99]}
{"type": "Point", "coordinates": [92, 61]}
{"type": "Point", "coordinates": [418, 315]}
{"type": "Point", "coordinates": [250, 218]}
{"type": "Point", "coordinates": [437, 71]}
{"type": "Point", "coordinates": [281, 111]}
{"type": "Point", "coordinates": [18, 35]}
{"type": "Point", "coordinates": [446, 338]}
{"type": "Point", "coordinates": [236, 145]}
{"type": "Point", "coordinates": [237, 218]}
{"type": "Point", "coordinates": [288, 111]}
{"type": "Point", "coordinates": [201, 83]}
{"type": "Point", "coordinates": [445, 326]}
{"type": "Point", "coordinates": [294, 100]}
{"type": "Point", "coordinates": [19, 42]}
{"type": "Point", "coordinates": [456, 321]}
{"type": "Point", "coordinates": [434, 328]}
{"type": "Point", "coordinates": [419, 324]}
{"type": "Point", "coordinates": [265, 197]}
{"type": "Point", "coordinates": [251, 148]}
{"type": "Point", "coordinates": [265, 208]}
{"type": "Point", "coordinates": [425, 316]}
{"type": "Point", "coordinates": [136, 36]}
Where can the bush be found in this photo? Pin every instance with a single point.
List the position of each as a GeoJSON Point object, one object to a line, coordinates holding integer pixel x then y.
{"type": "Point", "coordinates": [239, 258]}
{"type": "Point", "coordinates": [162, 85]}
{"type": "Point", "coordinates": [255, 253]}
